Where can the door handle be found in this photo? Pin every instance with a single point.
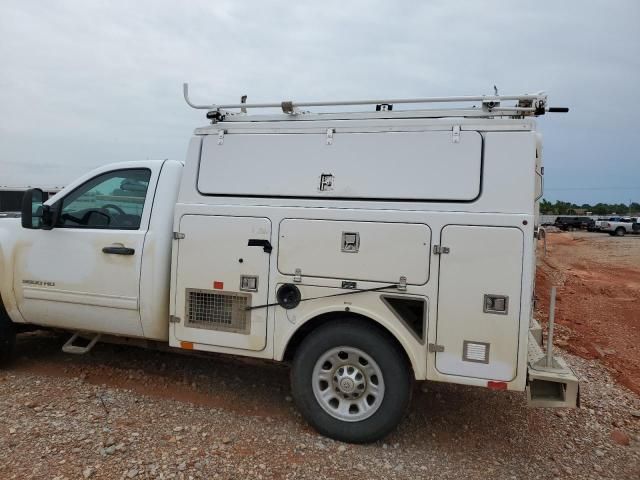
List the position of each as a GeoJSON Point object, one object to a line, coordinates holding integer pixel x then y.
{"type": "Point", "coordinates": [258, 242]}
{"type": "Point", "coordinates": [115, 250]}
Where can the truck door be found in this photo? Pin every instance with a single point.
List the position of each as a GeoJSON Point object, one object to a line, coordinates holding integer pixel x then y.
{"type": "Point", "coordinates": [222, 269]}
{"type": "Point", "coordinates": [84, 274]}
{"type": "Point", "coordinates": [479, 301]}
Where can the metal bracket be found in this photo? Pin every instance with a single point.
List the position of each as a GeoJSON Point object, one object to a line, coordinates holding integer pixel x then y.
{"type": "Point", "coordinates": [455, 134]}
{"type": "Point", "coordinates": [287, 107]}
{"type": "Point", "coordinates": [174, 319]}
{"type": "Point", "coordinates": [297, 277]}
{"type": "Point", "coordinates": [541, 175]}
{"type": "Point", "coordinates": [439, 250]}
{"type": "Point", "coordinates": [435, 348]}
{"type": "Point", "coordinates": [402, 284]}
{"type": "Point", "coordinates": [488, 105]}
{"type": "Point", "coordinates": [178, 236]}
{"type": "Point", "coordinates": [221, 137]}
{"type": "Point", "coordinates": [330, 132]}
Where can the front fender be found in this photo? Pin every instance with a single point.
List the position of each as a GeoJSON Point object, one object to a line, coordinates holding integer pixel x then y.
{"type": "Point", "coordinates": [10, 232]}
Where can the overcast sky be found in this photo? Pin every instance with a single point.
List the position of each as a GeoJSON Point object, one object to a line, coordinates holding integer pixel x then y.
{"type": "Point", "coordinates": [84, 83]}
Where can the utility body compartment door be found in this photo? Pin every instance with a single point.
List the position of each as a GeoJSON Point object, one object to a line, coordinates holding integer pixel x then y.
{"type": "Point", "coordinates": [479, 301]}
{"type": "Point", "coordinates": [365, 251]}
{"type": "Point", "coordinates": [214, 258]}
{"type": "Point", "coordinates": [411, 166]}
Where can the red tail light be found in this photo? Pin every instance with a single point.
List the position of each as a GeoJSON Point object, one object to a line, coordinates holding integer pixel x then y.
{"type": "Point", "coordinates": [496, 385]}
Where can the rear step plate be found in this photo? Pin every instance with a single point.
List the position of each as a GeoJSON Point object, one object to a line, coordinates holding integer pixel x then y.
{"type": "Point", "coordinates": [555, 386]}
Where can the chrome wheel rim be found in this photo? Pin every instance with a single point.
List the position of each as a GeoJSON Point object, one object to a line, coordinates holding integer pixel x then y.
{"type": "Point", "coordinates": [348, 384]}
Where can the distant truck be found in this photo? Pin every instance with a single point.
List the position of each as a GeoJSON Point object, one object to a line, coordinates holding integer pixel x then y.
{"type": "Point", "coordinates": [367, 249]}
{"type": "Point", "coordinates": [574, 223]}
{"type": "Point", "coordinates": [601, 220]}
{"type": "Point", "coordinates": [620, 226]}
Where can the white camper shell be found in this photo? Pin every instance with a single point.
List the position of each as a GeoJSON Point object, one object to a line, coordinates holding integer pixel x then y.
{"type": "Point", "coordinates": [366, 247]}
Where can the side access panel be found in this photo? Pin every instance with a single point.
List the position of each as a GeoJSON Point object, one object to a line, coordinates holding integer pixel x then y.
{"type": "Point", "coordinates": [479, 291]}
{"type": "Point", "coordinates": [353, 250]}
{"type": "Point", "coordinates": [213, 260]}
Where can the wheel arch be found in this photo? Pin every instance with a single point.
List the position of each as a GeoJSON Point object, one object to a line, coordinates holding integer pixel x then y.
{"type": "Point", "coordinates": [8, 241]}
{"type": "Point", "coordinates": [316, 321]}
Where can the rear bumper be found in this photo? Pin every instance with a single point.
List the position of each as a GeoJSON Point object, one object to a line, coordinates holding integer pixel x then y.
{"type": "Point", "coordinates": [550, 386]}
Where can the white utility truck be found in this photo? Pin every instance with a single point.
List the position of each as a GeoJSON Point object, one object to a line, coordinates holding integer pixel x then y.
{"type": "Point", "coordinates": [619, 226]}
{"type": "Point", "coordinates": [368, 248]}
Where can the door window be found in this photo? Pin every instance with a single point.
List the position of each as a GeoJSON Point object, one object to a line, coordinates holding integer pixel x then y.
{"type": "Point", "coordinates": [113, 200]}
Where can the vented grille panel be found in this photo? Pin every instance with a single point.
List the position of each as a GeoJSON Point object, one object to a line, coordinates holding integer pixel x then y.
{"type": "Point", "coordinates": [213, 310]}
{"type": "Point", "coordinates": [475, 352]}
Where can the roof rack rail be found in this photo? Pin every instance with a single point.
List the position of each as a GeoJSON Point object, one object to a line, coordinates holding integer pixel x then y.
{"type": "Point", "coordinates": [491, 105]}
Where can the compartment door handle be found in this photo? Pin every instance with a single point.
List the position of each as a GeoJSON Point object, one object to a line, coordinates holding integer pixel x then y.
{"type": "Point", "coordinates": [259, 242]}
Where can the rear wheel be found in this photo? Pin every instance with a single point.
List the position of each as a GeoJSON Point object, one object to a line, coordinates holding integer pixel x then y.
{"type": "Point", "coordinates": [350, 381]}
{"type": "Point", "coordinates": [620, 231]}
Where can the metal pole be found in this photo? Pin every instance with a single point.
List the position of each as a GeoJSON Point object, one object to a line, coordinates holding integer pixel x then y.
{"type": "Point", "coordinates": [552, 318]}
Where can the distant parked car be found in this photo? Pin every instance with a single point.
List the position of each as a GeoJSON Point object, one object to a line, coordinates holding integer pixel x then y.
{"type": "Point", "coordinates": [603, 220]}
{"type": "Point", "coordinates": [620, 227]}
{"type": "Point", "coordinates": [574, 223]}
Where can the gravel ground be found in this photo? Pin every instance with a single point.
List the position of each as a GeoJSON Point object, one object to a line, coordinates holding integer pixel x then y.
{"type": "Point", "coordinates": [123, 412]}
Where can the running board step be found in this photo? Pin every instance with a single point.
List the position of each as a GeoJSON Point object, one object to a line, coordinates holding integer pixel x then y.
{"type": "Point", "coordinates": [555, 386]}
{"type": "Point", "coordinates": [69, 347]}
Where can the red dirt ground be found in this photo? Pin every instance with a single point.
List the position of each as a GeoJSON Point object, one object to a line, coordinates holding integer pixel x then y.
{"type": "Point", "coordinates": [598, 298]}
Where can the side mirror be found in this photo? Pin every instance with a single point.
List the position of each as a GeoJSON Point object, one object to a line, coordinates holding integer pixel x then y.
{"type": "Point", "coordinates": [33, 208]}
{"type": "Point", "coordinates": [36, 215]}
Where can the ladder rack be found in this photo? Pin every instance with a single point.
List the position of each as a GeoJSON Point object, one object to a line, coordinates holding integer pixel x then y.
{"type": "Point", "coordinates": [490, 106]}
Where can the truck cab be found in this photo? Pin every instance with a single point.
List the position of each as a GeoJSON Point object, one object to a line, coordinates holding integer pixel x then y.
{"type": "Point", "coordinates": [104, 258]}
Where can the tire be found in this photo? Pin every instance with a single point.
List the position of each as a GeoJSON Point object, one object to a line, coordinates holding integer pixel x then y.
{"type": "Point", "coordinates": [620, 231]}
{"type": "Point", "coordinates": [350, 381]}
{"type": "Point", "coordinates": [7, 337]}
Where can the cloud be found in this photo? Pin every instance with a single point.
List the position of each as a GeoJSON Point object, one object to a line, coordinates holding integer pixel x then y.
{"type": "Point", "coordinates": [87, 83]}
